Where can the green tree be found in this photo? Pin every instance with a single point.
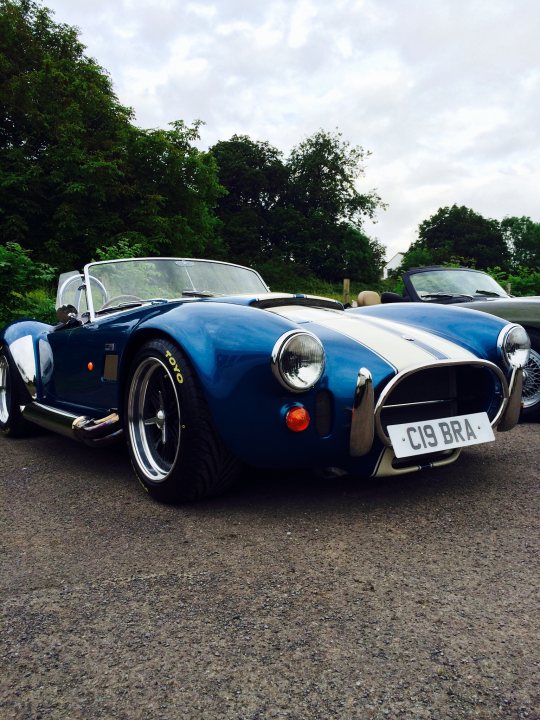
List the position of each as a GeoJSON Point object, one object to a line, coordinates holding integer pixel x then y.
{"type": "Point", "coordinates": [523, 238]}
{"type": "Point", "coordinates": [305, 211]}
{"type": "Point", "coordinates": [75, 173]}
{"type": "Point", "coordinates": [415, 257]}
{"type": "Point", "coordinates": [324, 171]}
{"type": "Point", "coordinates": [521, 281]}
{"type": "Point", "coordinates": [24, 285]}
{"type": "Point", "coordinates": [255, 178]}
{"type": "Point", "coordinates": [60, 156]}
{"type": "Point", "coordinates": [171, 189]}
{"type": "Point", "coordinates": [460, 233]}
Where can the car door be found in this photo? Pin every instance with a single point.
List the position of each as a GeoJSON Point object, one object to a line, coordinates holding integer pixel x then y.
{"type": "Point", "coordinates": [84, 362]}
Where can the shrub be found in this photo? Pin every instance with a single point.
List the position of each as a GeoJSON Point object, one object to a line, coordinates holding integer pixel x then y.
{"type": "Point", "coordinates": [25, 286]}
{"type": "Point", "coordinates": [522, 281]}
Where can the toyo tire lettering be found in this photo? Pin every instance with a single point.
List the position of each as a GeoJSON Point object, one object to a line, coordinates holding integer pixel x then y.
{"type": "Point", "coordinates": [173, 363]}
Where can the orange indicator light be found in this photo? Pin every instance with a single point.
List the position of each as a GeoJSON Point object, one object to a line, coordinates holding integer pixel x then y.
{"type": "Point", "coordinates": [297, 419]}
{"type": "Point", "coordinates": [90, 366]}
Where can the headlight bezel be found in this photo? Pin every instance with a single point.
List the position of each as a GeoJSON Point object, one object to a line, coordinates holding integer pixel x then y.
{"type": "Point", "coordinates": [508, 346]}
{"type": "Point", "coordinates": [281, 346]}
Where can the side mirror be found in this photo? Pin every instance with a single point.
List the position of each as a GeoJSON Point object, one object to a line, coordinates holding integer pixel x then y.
{"type": "Point", "coordinates": [67, 314]}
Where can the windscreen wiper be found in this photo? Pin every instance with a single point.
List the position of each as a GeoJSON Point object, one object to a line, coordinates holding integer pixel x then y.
{"type": "Point", "coordinates": [487, 293]}
{"type": "Point", "coordinates": [197, 293]}
{"type": "Point", "coordinates": [131, 304]}
{"type": "Point", "coordinates": [120, 306]}
{"type": "Point", "coordinates": [446, 295]}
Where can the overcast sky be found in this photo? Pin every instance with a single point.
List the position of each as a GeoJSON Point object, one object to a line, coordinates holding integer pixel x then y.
{"type": "Point", "coordinates": [445, 94]}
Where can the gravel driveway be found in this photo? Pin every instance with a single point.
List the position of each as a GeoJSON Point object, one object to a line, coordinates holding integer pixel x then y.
{"type": "Point", "coordinates": [290, 597]}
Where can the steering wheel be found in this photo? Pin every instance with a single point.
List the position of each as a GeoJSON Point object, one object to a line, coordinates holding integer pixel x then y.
{"type": "Point", "coordinates": [121, 299]}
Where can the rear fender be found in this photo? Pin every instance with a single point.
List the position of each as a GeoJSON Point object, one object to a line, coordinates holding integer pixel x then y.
{"type": "Point", "coordinates": [21, 340]}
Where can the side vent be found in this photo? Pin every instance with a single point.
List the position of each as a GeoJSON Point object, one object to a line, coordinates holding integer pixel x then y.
{"type": "Point", "coordinates": [323, 412]}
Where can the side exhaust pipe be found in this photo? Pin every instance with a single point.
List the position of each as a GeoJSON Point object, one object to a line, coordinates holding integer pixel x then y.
{"type": "Point", "coordinates": [90, 431]}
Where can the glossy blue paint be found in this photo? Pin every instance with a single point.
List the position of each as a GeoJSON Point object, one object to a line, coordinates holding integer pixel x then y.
{"type": "Point", "coordinates": [22, 328]}
{"type": "Point", "coordinates": [470, 329]}
{"type": "Point", "coordinates": [230, 348]}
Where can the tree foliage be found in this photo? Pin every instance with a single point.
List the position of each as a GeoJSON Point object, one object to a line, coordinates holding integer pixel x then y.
{"type": "Point", "coordinates": [324, 172]}
{"type": "Point", "coordinates": [74, 170]}
{"type": "Point", "coordinates": [254, 177]}
{"type": "Point", "coordinates": [459, 232]}
{"type": "Point", "coordinates": [171, 190]}
{"type": "Point", "coordinates": [305, 210]}
{"type": "Point", "coordinates": [24, 285]}
{"type": "Point", "coordinates": [519, 281]}
{"type": "Point", "coordinates": [522, 236]}
{"type": "Point", "coordinates": [460, 236]}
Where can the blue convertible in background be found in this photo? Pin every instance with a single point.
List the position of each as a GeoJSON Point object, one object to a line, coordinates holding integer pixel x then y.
{"type": "Point", "coordinates": [201, 368]}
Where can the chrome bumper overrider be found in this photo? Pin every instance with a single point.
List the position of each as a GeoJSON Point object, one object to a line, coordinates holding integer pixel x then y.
{"type": "Point", "coordinates": [509, 416]}
{"type": "Point", "coordinates": [363, 420]}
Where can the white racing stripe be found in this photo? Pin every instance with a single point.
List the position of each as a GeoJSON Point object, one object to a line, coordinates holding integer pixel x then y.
{"type": "Point", "coordinates": [401, 345]}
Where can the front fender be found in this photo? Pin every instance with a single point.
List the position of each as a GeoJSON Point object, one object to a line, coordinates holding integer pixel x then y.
{"type": "Point", "coordinates": [230, 347]}
{"type": "Point", "coordinates": [224, 343]}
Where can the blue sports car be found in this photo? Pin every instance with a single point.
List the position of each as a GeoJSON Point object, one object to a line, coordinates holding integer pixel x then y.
{"type": "Point", "coordinates": [201, 368]}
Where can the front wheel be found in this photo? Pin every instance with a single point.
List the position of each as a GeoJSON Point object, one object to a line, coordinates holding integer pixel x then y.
{"type": "Point", "coordinates": [173, 445]}
{"type": "Point", "coordinates": [531, 381]}
{"type": "Point", "coordinates": [12, 422]}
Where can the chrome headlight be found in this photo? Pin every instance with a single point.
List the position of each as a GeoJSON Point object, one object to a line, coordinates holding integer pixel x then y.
{"type": "Point", "coordinates": [298, 360]}
{"type": "Point", "coordinates": [514, 345]}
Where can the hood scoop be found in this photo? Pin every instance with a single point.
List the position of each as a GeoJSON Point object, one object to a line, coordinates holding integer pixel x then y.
{"type": "Point", "coordinates": [275, 300]}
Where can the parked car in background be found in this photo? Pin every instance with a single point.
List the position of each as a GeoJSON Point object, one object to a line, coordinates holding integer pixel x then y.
{"type": "Point", "coordinates": [201, 368]}
{"type": "Point", "coordinates": [478, 290]}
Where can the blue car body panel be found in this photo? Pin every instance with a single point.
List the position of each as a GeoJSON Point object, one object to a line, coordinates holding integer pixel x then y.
{"type": "Point", "coordinates": [467, 328]}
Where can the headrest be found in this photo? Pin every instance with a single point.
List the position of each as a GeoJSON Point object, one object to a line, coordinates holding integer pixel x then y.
{"type": "Point", "coordinates": [368, 297]}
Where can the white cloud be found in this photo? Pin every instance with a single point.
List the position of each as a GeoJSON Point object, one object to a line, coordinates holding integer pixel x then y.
{"type": "Point", "coordinates": [300, 23]}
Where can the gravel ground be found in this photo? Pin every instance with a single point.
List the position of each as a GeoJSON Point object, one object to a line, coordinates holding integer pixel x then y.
{"type": "Point", "coordinates": [291, 597]}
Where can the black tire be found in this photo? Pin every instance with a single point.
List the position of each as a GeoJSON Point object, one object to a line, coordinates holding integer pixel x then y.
{"type": "Point", "coordinates": [174, 448]}
{"type": "Point", "coordinates": [531, 381]}
{"type": "Point", "coordinates": [12, 396]}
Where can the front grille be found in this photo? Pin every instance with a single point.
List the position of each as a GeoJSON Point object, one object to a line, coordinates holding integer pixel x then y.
{"type": "Point", "coordinates": [441, 391]}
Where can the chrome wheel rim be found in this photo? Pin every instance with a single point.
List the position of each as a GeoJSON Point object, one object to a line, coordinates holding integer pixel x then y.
{"type": "Point", "coordinates": [154, 419]}
{"type": "Point", "coordinates": [4, 389]}
{"type": "Point", "coordinates": [531, 380]}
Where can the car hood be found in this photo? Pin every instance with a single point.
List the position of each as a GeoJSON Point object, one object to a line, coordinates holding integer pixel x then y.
{"type": "Point", "coordinates": [402, 346]}
{"type": "Point", "coordinates": [524, 310]}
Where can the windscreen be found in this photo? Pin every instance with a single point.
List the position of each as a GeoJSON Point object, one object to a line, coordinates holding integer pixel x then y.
{"type": "Point", "coordinates": [456, 282]}
{"type": "Point", "coordinates": [121, 282]}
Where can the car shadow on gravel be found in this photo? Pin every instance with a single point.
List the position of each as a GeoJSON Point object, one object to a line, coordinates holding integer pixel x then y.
{"type": "Point", "coordinates": [109, 470]}
{"type": "Point", "coordinates": [270, 489]}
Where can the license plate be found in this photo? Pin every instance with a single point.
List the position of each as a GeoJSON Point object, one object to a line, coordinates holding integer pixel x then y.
{"type": "Point", "coordinates": [418, 438]}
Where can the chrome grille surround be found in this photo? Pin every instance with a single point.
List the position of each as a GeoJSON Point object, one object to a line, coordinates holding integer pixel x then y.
{"type": "Point", "coordinates": [422, 391]}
